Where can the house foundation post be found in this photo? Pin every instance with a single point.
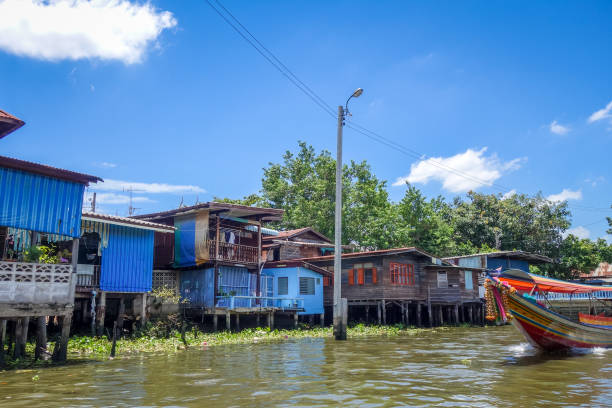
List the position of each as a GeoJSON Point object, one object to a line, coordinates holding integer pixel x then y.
{"type": "Point", "coordinates": [418, 316]}
{"type": "Point", "coordinates": [101, 314]}
{"type": "Point", "coordinates": [457, 315]}
{"type": "Point", "coordinates": [61, 348]}
{"type": "Point", "coordinates": [41, 338]}
{"type": "Point", "coordinates": [322, 319]}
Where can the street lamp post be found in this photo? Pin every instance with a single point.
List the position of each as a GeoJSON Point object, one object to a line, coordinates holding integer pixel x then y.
{"type": "Point", "coordinates": [340, 304]}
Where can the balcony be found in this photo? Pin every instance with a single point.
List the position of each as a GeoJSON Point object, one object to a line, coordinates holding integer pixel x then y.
{"type": "Point", "coordinates": [233, 253]}
{"type": "Point", "coordinates": [88, 278]}
{"type": "Point", "coordinates": [33, 283]}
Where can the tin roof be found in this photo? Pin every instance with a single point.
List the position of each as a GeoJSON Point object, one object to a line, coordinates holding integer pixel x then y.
{"type": "Point", "coordinates": [49, 171]}
{"type": "Point", "coordinates": [9, 123]}
{"type": "Point", "coordinates": [297, 263]}
{"type": "Point", "coordinates": [526, 256]}
{"type": "Point", "coordinates": [383, 252]}
{"type": "Point", "coordinates": [128, 222]}
{"type": "Point", "coordinates": [233, 210]}
{"type": "Point", "coordinates": [294, 233]}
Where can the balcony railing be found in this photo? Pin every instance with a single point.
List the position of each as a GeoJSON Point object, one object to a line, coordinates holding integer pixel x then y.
{"type": "Point", "coordinates": [88, 277]}
{"type": "Point", "coordinates": [568, 297]}
{"type": "Point", "coordinates": [233, 302]}
{"type": "Point", "coordinates": [22, 282]}
{"type": "Point", "coordinates": [232, 252]}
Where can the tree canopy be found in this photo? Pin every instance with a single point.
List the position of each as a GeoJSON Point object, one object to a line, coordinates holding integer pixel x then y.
{"type": "Point", "coordinates": [303, 185]}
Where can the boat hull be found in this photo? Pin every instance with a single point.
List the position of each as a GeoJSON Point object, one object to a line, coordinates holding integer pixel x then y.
{"type": "Point", "coordinates": [549, 331]}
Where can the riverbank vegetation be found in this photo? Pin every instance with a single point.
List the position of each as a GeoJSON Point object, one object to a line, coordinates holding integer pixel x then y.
{"type": "Point", "coordinates": [152, 340]}
{"type": "Point", "coordinates": [302, 184]}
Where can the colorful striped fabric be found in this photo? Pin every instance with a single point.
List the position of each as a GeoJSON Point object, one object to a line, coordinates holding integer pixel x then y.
{"type": "Point", "coordinates": [599, 321]}
{"type": "Point", "coordinates": [525, 282]}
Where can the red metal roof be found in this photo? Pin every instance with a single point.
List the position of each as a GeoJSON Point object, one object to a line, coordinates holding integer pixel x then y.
{"type": "Point", "coordinates": [392, 251]}
{"type": "Point", "coordinates": [9, 123]}
{"type": "Point", "coordinates": [49, 171]}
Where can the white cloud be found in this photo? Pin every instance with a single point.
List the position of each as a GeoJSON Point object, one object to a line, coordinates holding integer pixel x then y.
{"type": "Point", "coordinates": [112, 198]}
{"type": "Point", "coordinates": [461, 172]}
{"type": "Point", "coordinates": [108, 164]}
{"type": "Point", "coordinates": [509, 194]}
{"type": "Point", "coordinates": [152, 188]}
{"type": "Point", "coordinates": [580, 232]}
{"type": "Point", "coordinates": [558, 129]}
{"type": "Point", "coordinates": [594, 182]}
{"type": "Point", "coordinates": [75, 29]}
{"type": "Point", "coordinates": [564, 195]}
{"type": "Point", "coordinates": [604, 113]}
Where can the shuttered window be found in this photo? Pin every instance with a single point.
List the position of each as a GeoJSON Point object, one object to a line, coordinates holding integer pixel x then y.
{"type": "Point", "coordinates": [442, 279]}
{"type": "Point", "coordinates": [283, 286]}
{"type": "Point", "coordinates": [469, 283]}
{"type": "Point", "coordinates": [307, 286]}
{"type": "Point", "coordinates": [402, 274]}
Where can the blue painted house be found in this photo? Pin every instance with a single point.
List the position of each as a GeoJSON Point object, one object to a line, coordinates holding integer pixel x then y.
{"type": "Point", "coordinates": [296, 283]}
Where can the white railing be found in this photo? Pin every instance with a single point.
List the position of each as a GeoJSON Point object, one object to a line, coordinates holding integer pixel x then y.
{"type": "Point", "coordinates": [602, 294]}
{"type": "Point", "coordinates": [22, 282]}
{"type": "Point", "coordinates": [233, 302]}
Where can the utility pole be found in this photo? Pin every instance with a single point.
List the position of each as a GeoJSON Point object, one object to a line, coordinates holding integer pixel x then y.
{"type": "Point", "coordinates": [340, 303]}
{"type": "Point", "coordinates": [93, 203]}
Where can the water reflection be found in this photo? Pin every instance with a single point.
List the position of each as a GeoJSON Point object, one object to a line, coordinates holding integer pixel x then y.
{"type": "Point", "coordinates": [456, 367]}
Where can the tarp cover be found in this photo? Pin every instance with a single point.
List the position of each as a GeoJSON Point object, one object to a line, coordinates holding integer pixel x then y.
{"type": "Point", "coordinates": [191, 243]}
{"type": "Point", "coordinates": [524, 281]}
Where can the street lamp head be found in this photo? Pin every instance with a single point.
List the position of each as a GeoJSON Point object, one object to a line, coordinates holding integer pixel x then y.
{"type": "Point", "coordinates": [357, 93]}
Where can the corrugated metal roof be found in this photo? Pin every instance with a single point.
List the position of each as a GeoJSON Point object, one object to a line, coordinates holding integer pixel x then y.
{"type": "Point", "coordinates": [129, 222]}
{"type": "Point", "coordinates": [392, 251]}
{"type": "Point", "coordinates": [528, 256]}
{"type": "Point", "coordinates": [234, 210]}
{"type": "Point", "coordinates": [127, 261]}
{"type": "Point", "coordinates": [38, 203]}
{"type": "Point", "coordinates": [49, 171]}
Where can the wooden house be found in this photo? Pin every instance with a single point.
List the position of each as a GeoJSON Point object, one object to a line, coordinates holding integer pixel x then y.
{"type": "Point", "coordinates": [115, 267]}
{"type": "Point", "coordinates": [294, 244]}
{"type": "Point", "coordinates": [404, 285]}
{"type": "Point", "coordinates": [38, 204]}
{"type": "Point", "coordinates": [215, 258]}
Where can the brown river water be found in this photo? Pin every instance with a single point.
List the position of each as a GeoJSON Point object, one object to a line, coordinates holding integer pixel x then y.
{"type": "Point", "coordinates": [457, 367]}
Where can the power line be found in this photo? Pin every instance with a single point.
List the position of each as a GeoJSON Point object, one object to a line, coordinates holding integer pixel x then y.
{"type": "Point", "coordinates": [298, 83]}
{"type": "Point", "coordinates": [285, 72]}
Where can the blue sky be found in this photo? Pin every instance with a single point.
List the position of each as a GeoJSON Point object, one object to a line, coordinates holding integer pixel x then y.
{"type": "Point", "coordinates": [169, 98]}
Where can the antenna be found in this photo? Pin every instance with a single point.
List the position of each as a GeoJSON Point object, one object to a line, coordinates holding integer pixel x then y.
{"type": "Point", "coordinates": [131, 208]}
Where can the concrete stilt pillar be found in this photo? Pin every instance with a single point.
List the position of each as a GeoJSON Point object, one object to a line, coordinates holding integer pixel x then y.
{"type": "Point", "coordinates": [41, 338]}
{"type": "Point", "coordinates": [418, 315]}
{"type": "Point", "coordinates": [271, 320]}
{"type": "Point", "coordinates": [379, 311]}
{"type": "Point", "coordinates": [295, 320]}
{"type": "Point", "coordinates": [312, 320]}
{"type": "Point", "coordinates": [228, 320]}
{"type": "Point", "coordinates": [457, 315]}
{"type": "Point", "coordinates": [430, 314]}
{"type": "Point", "coordinates": [407, 311]}
{"type": "Point", "coordinates": [470, 314]}
{"type": "Point", "coordinates": [403, 313]}
{"type": "Point", "coordinates": [384, 312]}
{"type": "Point", "coordinates": [322, 319]}
{"type": "Point", "coordinates": [143, 310]}
{"type": "Point", "coordinates": [237, 321]}
{"type": "Point", "coordinates": [101, 313]}
{"type": "Point", "coordinates": [120, 315]}
{"type": "Point", "coordinates": [17, 349]}
{"type": "Point", "coordinates": [2, 340]}
{"type": "Point", "coordinates": [215, 322]}
{"type": "Point", "coordinates": [258, 319]}
{"type": "Point", "coordinates": [83, 311]}
{"type": "Point", "coordinates": [367, 313]}
{"type": "Point", "coordinates": [440, 316]}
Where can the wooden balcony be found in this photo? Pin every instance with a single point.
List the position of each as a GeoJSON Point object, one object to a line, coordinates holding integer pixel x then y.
{"type": "Point", "coordinates": [34, 284]}
{"type": "Point", "coordinates": [88, 278]}
{"type": "Point", "coordinates": [227, 252]}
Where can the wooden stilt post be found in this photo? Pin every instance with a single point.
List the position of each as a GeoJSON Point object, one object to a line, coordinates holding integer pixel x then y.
{"type": "Point", "coordinates": [120, 316]}
{"type": "Point", "coordinates": [367, 313]}
{"type": "Point", "coordinates": [457, 315]}
{"type": "Point", "coordinates": [407, 314]}
{"type": "Point", "coordinates": [322, 319]}
{"type": "Point", "coordinates": [215, 321]}
{"type": "Point", "coordinates": [258, 319]}
{"type": "Point", "coordinates": [311, 320]}
{"type": "Point", "coordinates": [419, 317]}
{"type": "Point", "coordinates": [379, 311]}
{"type": "Point", "coordinates": [18, 336]}
{"type": "Point", "coordinates": [271, 320]}
{"type": "Point", "coordinates": [41, 338]}
{"type": "Point", "coordinates": [440, 315]}
{"type": "Point", "coordinates": [430, 314]}
{"type": "Point", "coordinates": [237, 321]}
{"type": "Point", "coordinates": [61, 348]}
{"type": "Point", "coordinates": [101, 314]}
{"type": "Point", "coordinates": [2, 340]}
{"type": "Point", "coordinates": [403, 313]}
{"type": "Point", "coordinates": [295, 320]}
{"type": "Point", "coordinates": [482, 314]}
{"type": "Point", "coordinates": [228, 320]}
{"type": "Point", "coordinates": [470, 313]}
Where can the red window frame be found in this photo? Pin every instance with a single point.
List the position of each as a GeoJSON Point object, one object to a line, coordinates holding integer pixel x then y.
{"type": "Point", "coordinates": [402, 274]}
{"type": "Point", "coordinates": [328, 281]}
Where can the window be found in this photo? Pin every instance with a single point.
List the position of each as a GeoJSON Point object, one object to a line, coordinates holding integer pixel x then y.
{"type": "Point", "coordinates": [283, 286]}
{"type": "Point", "coordinates": [442, 279]}
{"type": "Point", "coordinates": [307, 286]}
{"type": "Point", "coordinates": [328, 281]}
{"type": "Point", "coordinates": [402, 274]}
{"type": "Point", "coordinates": [345, 276]}
{"type": "Point", "coordinates": [469, 282]}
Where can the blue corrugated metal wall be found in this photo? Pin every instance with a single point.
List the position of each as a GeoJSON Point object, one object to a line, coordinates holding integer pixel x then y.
{"type": "Point", "coordinates": [38, 203]}
{"type": "Point", "coordinates": [198, 286]}
{"type": "Point", "coordinates": [494, 263]}
{"type": "Point", "coordinates": [127, 262]}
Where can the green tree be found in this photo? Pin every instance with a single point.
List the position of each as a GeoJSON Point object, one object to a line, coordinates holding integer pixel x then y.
{"type": "Point", "coordinates": [577, 256]}
{"type": "Point", "coordinates": [609, 219]}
